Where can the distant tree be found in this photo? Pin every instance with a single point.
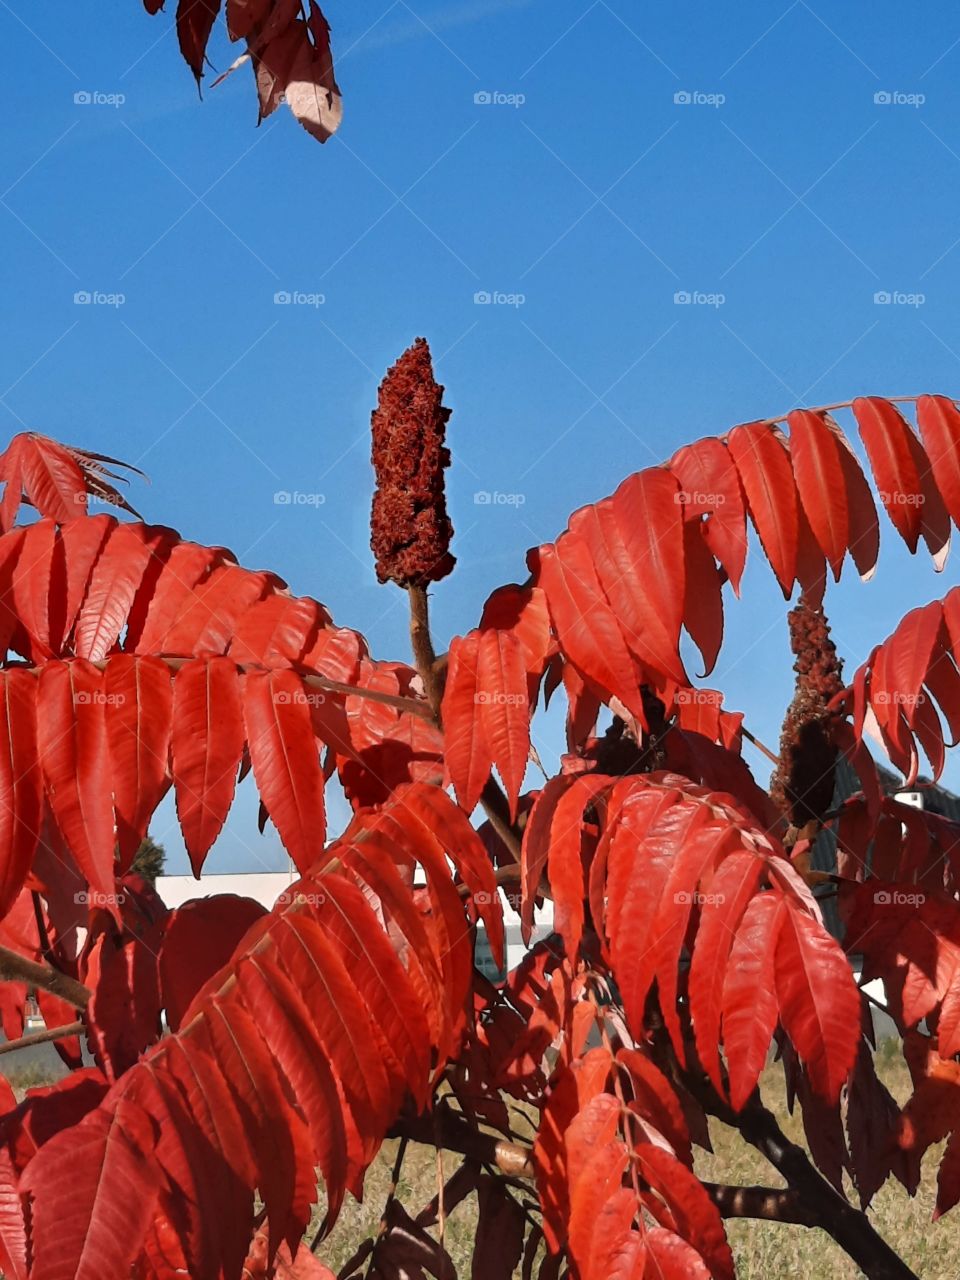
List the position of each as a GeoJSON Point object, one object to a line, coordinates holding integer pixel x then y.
{"type": "Point", "coordinates": [149, 860]}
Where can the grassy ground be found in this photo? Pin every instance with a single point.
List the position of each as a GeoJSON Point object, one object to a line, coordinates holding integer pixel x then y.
{"type": "Point", "coordinates": [763, 1251]}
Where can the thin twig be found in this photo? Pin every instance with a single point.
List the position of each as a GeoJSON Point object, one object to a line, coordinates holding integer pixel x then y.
{"type": "Point", "coordinates": [771, 755]}
{"type": "Point", "coordinates": [42, 1037]}
{"type": "Point", "coordinates": [17, 968]}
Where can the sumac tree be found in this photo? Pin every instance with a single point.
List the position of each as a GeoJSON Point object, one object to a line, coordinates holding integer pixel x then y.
{"type": "Point", "coordinates": [244, 1058]}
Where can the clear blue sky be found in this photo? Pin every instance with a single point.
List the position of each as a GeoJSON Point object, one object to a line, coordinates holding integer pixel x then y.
{"type": "Point", "coordinates": [797, 197]}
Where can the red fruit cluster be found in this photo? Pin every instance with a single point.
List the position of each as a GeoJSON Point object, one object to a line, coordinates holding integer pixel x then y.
{"type": "Point", "coordinates": [802, 786]}
{"type": "Point", "coordinates": [410, 529]}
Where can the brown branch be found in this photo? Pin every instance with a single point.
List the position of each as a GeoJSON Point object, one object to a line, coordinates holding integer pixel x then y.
{"type": "Point", "coordinates": [432, 672]}
{"type": "Point", "coordinates": [424, 656]}
{"type": "Point", "coordinates": [762, 747]}
{"type": "Point", "coordinates": [511, 1158]}
{"type": "Point", "coordinates": [415, 706]}
{"type": "Point", "coordinates": [495, 806]}
{"type": "Point", "coordinates": [768, 1203]}
{"type": "Point", "coordinates": [42, 1037]}
{"type": "Point", "coordinates": [827, 1208]}
{"type": "Point", "coordinates": [842, 404]}
{"type": "Point", "coordinates": [17, 968]}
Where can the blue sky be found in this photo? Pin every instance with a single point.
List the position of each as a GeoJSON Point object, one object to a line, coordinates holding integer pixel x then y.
{"type": "Point", "coordinates": [584, 187]}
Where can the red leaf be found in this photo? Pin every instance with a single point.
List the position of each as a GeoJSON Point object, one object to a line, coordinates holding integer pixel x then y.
{"type": "Point", "coordinates": [199, 938]}
{"type": "Point", "coordinates": [286, 766]}
{"type": "Point", "coordinates": [763, 464]}
{"type": "Point", "coordinates": [20, 782]}
{"type": "Point", "coordinates": [76, 552]}
{"type": "Point", "coordinates": [116, 577]}
{"type": "Point", "coordinates": [52, 478]}
{"type": "Point", "coordinates": [821, 484]}
{"type": "Point", "coordinates": [503, 708]}
{"type": "Point", "coordinates": [703, 604]}
{"type": "Point", "coordinates": [195, 19]}
{"type": "Point", "coordinates": [885, 436]}
{"type": "Point", "coordinates": [467, 753]}
{"type": "Point", "coordinates": [819, 1001]}
{"type": "Point", "coordinates": [731, 888]}
{"type": "Point", "coordinates": [588, 629]}
{"type": "Point", "coordinates": [710, 485]}
{"type": "Point", "coordinates": [206, 745]}
{"type": "Point", "coordinates": [636, 541]}
{"type": "Point", "coordinates": [13, 1231]}
{"type": "Point", "coordinates": [749, 998]}
{"type": "Point", "coordinates": [74, 754]}
{"type": "Point", "coordinates": [697, 1217]}
{"type": "Point", "coordinates": [311, 90]}
{"type": "Point", "coordinates": [939, 421]}
{"type": "Point", "coordinates": [212, 610]}
{"type": "Point", "coordinates": [94, 1187]}
{"type": "Point", "coordinates": [864, 538]}
{"type": "Point", "coordinates": [139, 711]}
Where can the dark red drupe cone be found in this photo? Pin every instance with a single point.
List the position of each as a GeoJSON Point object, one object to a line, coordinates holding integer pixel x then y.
{"type": "Point", "coordinates": [802, 785]}
{"type": "Point", "coordinates": [410, 530]}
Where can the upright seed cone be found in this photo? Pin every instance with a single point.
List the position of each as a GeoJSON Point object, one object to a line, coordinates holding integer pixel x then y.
{"type": "Point", "coordinates": [410, 530]}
